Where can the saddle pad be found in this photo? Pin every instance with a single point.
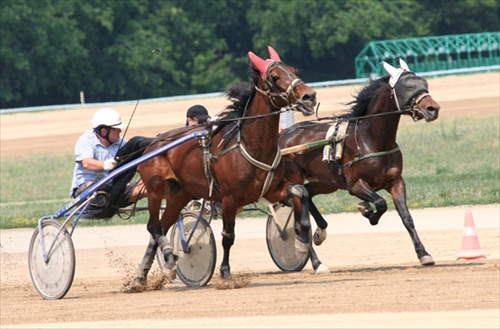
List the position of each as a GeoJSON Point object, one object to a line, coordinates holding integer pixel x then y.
{"type": "Point", "coordinates": [337, 134]}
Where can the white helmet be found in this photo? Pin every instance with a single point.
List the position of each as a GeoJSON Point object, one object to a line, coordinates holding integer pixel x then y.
{"type": "Point", "coordinates": [107, 117]}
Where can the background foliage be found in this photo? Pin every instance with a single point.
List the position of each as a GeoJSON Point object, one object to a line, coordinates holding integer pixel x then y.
{"type": "Point", "coordinates": [50, 50]}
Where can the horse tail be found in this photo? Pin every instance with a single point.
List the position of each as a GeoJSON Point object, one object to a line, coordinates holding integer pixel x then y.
{"type": "Point", "coordinates": [117, 197]}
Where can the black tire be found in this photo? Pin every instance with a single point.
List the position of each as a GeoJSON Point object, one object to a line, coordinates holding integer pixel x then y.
{"type": "Point", "coordinates": [280, 238]}
{"type": "Point", "coordinates": [52, 279]}
{"type": "Point", "coordinates": [196, 267]}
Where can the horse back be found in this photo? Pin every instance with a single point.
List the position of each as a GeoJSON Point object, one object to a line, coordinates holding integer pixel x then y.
{"type": "Point", "coordinates": [302, 133]}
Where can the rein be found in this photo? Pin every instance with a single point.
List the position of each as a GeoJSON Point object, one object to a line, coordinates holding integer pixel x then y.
{"type": "Point", "coordinates": [369, 116]}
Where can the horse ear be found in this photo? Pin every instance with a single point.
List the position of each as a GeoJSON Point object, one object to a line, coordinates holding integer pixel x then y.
{"type": "Point", "coordinates": [274, 55]}
{"type": "Point", "coordinates": [393, 72]}
{"type": "Point", "coordinates": [390, 69]}
{"type": "Point", "coordinates": [403, 65]}
{"type": "Point", "coordinates": [258, 62]}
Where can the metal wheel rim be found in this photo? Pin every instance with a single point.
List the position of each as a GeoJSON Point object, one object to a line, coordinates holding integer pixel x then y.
{"type": "Point", "coordinates": [195, 268]}
{"type": "Point", "coordinates": [53, 279]}
{"type": "Point", "coordinates": [282, 249]}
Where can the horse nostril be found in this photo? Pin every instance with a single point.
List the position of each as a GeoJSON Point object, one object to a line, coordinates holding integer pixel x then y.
{"type": "Point", "coordinates": [309, 97]}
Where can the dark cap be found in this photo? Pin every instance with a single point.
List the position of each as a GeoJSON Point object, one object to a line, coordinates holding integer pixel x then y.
{"type": "Point", "coordinates": [197, 111]}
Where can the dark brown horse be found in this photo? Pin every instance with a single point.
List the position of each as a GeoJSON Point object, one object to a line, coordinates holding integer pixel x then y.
{"type": "Point", "coordinates": [239, 164]}
{"type": "Point", "coordinates": [371, 159]}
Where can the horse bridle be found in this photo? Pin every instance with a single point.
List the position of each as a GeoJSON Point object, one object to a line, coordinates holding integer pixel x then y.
{"type": "Point", "coordinates": [410, 105]}
{"type": "Point", "coordinates": [272, 90]}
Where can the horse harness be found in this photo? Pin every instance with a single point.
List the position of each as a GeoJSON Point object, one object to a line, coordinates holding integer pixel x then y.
{"type": "Point", "coordinates": [409, 93]}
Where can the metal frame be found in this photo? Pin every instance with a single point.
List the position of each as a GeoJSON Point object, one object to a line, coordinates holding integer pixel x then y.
{"type": "Point", "coordinates": [431, 53]}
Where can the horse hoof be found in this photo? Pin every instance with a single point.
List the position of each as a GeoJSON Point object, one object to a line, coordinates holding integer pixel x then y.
{"type": "Point", "coordinates": [139, 282]}
{"type": "Point", "coordinates": [319, 236]}
{"type": "Point", "coordinates": [322, 269]}
{"type": "Point", "coordinates": [225, 273]}
{"type": "Point", "coordinates": [365, 209]}
{"type": "Point", "coordinates": [301, 247]}
{"type": "Point", "coordinates": [169, 257]}
{"type": "Point", "coordinates": [427, 260]}
{"type": "Point", "coordinates": [171, 274]}
{"type": "Point", "coordinates": [226, 276]}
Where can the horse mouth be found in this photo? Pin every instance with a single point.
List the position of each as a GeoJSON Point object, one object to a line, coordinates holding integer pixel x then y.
{"type": "Point", "coordinates": [305, 109]}
{"type": "Point", "coordinates": [428, 116]}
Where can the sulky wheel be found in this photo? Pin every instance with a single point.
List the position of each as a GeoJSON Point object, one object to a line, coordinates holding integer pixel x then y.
{"type": "Point", "coordinates": [195, 266]}
{"type": "Point", "coordinates": [52, 278]}
{"type": "Point", "coordinates": [280, 237]}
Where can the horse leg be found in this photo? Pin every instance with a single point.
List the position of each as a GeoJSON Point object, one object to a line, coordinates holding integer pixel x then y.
{"type": "Point", "coordinates": [318, 267]}
{"type": "Point", "coordinates": [302, 224]}
{"type": "Point", "coordinates": [363, 191]}
{"type": "Point", "coordinates": [169, 218]}
{"type": "Point", "coordinates": [154, 203]}
{"type": "Point", "coordinates": [156, 185]}
{"type": "Point", "coordinates": [320, 234]}
{"type": "Point", "coordinates": [228, 236]}
{"type": "Point", "coordinates": [398, 192]}
{"type": "Point", "coordinates": [147, 262]}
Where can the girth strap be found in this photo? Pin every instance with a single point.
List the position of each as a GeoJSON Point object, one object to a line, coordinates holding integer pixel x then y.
{"type": "Point", "coordinates": [370, 155]}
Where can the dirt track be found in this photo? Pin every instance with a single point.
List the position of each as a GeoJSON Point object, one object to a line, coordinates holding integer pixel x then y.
{"type": "Point", "coordinates": [375, 280]}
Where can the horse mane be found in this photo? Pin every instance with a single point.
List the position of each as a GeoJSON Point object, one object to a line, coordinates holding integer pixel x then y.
{"type": "Point", "coordinates": [241, 92]}
{"type": "Point", "coordinates": [360, 104]}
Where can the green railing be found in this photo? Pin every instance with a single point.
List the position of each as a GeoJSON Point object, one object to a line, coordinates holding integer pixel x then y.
{"type": "Point", "coordinates": [431, 53]}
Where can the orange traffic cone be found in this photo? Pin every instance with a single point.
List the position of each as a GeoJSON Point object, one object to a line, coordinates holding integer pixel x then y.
{"type": "Point", "coordinates": [470, 241]}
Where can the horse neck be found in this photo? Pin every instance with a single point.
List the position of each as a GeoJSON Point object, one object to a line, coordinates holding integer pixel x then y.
{"type": "Point", "coordinates": [383, 128]}
{"type": "Point", "coordinates": [260, 135]}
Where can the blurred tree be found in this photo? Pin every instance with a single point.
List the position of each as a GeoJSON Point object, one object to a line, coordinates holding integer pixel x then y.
{"type": "Point", "coordinates": [39, 46]}
{"type": "Point", "coordinates": [464, 16]}
{"type": "Point", "coordinates": [52, 49]}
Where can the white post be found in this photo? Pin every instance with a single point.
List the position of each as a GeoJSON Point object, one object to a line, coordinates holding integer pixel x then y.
{"type": "Point", "coordinates": [286, 120]}
{"type": "Point", "coordinates": [82, 97]}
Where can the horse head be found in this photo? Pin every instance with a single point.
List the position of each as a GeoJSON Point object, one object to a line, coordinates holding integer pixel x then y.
{"type": "Point", "coordinates": [411, 93]}
{"type": "Point", "coordinates": [280, 83]}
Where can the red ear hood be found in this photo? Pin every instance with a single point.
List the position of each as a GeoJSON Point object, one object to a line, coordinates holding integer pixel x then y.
{"type": "Point", "coordinates": [259, 63]}
{"type": "Point", "coordinates": [274, 55]}
{"type": "Point", "coordinates": [262, 64]}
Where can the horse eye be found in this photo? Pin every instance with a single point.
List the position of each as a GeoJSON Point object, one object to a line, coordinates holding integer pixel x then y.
{"type": "Point", "coordinates": [275, 78]}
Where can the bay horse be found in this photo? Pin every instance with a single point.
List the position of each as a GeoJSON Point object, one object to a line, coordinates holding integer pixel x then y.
{"type": "Point", "coordinates": [371, 159]}
{"type": "Point", "coordinates": [239, 164]}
